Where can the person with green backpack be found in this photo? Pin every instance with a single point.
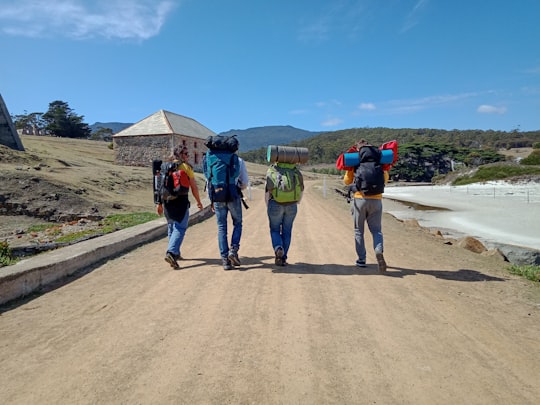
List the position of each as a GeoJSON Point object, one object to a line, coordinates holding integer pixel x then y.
{"type": "Point", "coordinates": [284, 188]}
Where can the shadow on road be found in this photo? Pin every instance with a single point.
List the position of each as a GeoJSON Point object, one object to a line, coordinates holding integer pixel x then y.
{"type": "Point", "coordinates": [397, 272]}
{"type": "Point", "coordinates": [459, 275]}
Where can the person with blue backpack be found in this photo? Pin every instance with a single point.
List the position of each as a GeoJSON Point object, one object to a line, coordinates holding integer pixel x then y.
{"type": "Point", "coordinates": [226, 177]}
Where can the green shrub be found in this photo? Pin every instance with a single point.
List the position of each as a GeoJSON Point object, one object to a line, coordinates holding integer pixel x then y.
{"type": "Point", "coordinates": [110, 224]}
{"type": "Point", "coordinates": [530, 272]}
{"type": "Point", "coordinates": [6, 257]}
{"type": "Point", "coordinates": [496, 172]}
{"type": "Point", "coordinates": [532, 159]}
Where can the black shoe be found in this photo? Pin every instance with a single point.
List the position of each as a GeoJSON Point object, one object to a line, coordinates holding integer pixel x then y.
{"type": "Point", "coordinates": [381, 263]}
{"type": "Point", "coordinates": [169, 258]}
{"type": "Point", "coordinates": [226, 264]}
{"type": "Point", "coordinates": [361, 263]}
{"type": "Point", "coordinates": [233, 258]}
{"type": "Point", "coordinates": [279, 256]}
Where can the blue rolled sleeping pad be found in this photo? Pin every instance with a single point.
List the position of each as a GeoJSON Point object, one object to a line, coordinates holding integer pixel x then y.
{"type": "Point", "coordinates": [352, 159]}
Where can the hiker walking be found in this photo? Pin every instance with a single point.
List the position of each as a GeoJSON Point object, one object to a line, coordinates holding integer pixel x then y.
{"type": "Point", "coordinates": [226, 176]}
{"type": "Point", "coordinates": [177, 178]}
{"type": "Point", "coordinates": [367, 181]}
{"type": "Point", "coordinates": [284, 188]}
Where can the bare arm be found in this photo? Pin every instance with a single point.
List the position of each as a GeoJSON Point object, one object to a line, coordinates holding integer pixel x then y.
{"type": "Point", "coordinates": [195, 192]}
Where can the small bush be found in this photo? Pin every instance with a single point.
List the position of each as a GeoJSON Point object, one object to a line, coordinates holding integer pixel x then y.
{"type": "Point", "coordinates": [532, 159]}
{"type": "Point", "coordinates": [496, 172]}
{"type": "Point", "coordinates": [6, 258]}
{"type": "Point", "coordinates": [530, 272]}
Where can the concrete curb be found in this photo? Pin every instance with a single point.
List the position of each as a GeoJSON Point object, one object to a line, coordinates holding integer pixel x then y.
{"type": "Point", "coordinates": [29, 275]}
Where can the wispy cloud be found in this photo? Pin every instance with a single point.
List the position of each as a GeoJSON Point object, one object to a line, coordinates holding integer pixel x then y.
{"type": "Point", "coordinates": [76, 19]}
{"type": "Point", "coordinates": [490, 109]}
{"type": "Point", "coordinates": [423, 103]}
{"type": "Point", "coordinates": [331, 122]}
{"type": "Point", "coordinates": [414, 15]}
{"type": "Point", "coordinates": [326, 104]}
{"type": "Point", "coordinates": [339, 17]}
{"type": "Point", "coordinates": [367, 106]}
{"type": "Point", "coordinates": [533, 71]}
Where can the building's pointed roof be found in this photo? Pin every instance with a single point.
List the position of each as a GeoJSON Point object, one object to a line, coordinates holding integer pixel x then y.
{"type": "Point", "coordinates": [8, 134]}
{"type": "Point", "coordinates": [167, 123]}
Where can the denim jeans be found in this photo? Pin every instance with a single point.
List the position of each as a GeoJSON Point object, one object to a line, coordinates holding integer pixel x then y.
{"type": "Point", "coordinates": [370, 211]}
{"type": "Point", "coordinates": [281, 218]}
{"type": "Point", "coordinates": [222, 209]}
{"type": "Point", "coordinates": [176, 232]}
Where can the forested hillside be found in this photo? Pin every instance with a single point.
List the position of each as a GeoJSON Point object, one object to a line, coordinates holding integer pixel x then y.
{"type": "Point", "coordinates": [423, 153]}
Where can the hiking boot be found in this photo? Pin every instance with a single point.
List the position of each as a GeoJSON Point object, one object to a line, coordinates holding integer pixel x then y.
{"type": "Point", "coordinates": [226, 263]}
{"type": "Point", "coordinates": [381, 263]}
{"type": "Point", "coordinates": [169, 258]}
{"type": "Point", "coordinates": [233, 258]}
{"type": "Point", "coordinates": [361, 263]}
{"type": "Point", "coordinates": [279, 256]}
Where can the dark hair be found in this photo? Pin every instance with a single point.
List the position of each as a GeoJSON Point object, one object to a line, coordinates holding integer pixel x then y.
{"type": "Point", "coordinates": [361, 142]}
{"type": "Point", "coordinates": [178, 150]}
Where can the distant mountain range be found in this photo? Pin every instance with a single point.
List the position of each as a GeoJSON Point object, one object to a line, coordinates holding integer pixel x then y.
{"type": "Point", "coordinates": [255, 138]}
{"type": "Point", "coordinates": [114, 126]}
{"type": "Point", "coordinates": [250, 139]}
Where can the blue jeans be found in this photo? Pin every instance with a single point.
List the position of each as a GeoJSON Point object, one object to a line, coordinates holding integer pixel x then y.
{"type": "Point", "coordinates": [222, 209]}
{"type": "Point", "coordinates": [281, 218]}
{"type": "Point", "coordinates": [370, 211]}
{"type": "Point", "coordinates": [176, 232]}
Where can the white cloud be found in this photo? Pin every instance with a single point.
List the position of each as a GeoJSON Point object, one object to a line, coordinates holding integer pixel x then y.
{"type": "Point", "coordinates": [533, 71]}
{"type": "Point", "coordinates": [331, 122]}
{"type": "Point", "coordinates": [490, 109]}
{"type": "Point", "coordinates": [412, 18]}
{"type": "Point", "coordinates": [330, 103]}
{"type": "Point", "coordinates": [298, 112]}
{"type": "Point", "coordinates": [345, 17]}
{"type": "Point", "coordinates": [367, 106]}
{"type": "Point", "coordinates": [423, 103]}
{"type": "Point", "coordinates": [76, 19]}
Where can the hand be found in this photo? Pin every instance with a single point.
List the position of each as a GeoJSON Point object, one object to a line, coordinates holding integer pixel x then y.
{"type": "Point", "coordinates": [159, 209]}
{"type": "Point", "coordinates": [199, 205]}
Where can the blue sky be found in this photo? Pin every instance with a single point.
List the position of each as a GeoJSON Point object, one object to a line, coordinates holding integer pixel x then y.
{"type": "Point", "coordinates": [318, 65]}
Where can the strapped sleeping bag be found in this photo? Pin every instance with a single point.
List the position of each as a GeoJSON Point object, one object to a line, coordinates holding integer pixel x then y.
{"type": "Point", "coordinates": [369, 175]}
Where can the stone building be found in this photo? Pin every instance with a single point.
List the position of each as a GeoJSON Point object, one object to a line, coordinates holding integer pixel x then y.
{"type": "Point", "coordinates": [155, 137]}
{"type": "Point", "coordinates": [8, 135]}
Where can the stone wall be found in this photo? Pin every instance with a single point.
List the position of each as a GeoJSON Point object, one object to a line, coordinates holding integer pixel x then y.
{"type": "Point", "coordinates": [141, 150]}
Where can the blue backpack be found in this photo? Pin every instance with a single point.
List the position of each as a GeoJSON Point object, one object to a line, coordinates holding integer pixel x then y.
{"type": "Point", "coordinates": [221, 169]}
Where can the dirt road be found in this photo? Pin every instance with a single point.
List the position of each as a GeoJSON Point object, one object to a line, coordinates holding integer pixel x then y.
{"type": "Point", "coordinates": [444, 326]}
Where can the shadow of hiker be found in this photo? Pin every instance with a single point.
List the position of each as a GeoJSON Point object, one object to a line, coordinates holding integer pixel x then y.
{"type": "Point", "coordinates": [371, 269]}
{"type": "Point", "coordinates": [248, 263]}
{"type": "Point", "coordinates": [328, 269]}
{"type": "Point", "coordinates": [459, 275]}
{"type": "Point", "coordinates": [266, 262]}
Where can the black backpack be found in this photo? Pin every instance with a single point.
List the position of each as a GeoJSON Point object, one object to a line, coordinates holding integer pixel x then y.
{"type": "Point", "coordinates": [368, 175]}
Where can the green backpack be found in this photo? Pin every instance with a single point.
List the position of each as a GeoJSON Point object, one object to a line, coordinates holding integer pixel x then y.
{"type": "Point", "coordinates": [285, 182]}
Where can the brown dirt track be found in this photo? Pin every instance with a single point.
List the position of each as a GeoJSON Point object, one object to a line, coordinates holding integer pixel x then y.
{"type": "Point", "coordinates": [444, 326]}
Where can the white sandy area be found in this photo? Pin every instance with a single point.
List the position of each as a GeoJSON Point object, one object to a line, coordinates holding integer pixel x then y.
{"type": "Point", "coordinates": [494, 212]}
